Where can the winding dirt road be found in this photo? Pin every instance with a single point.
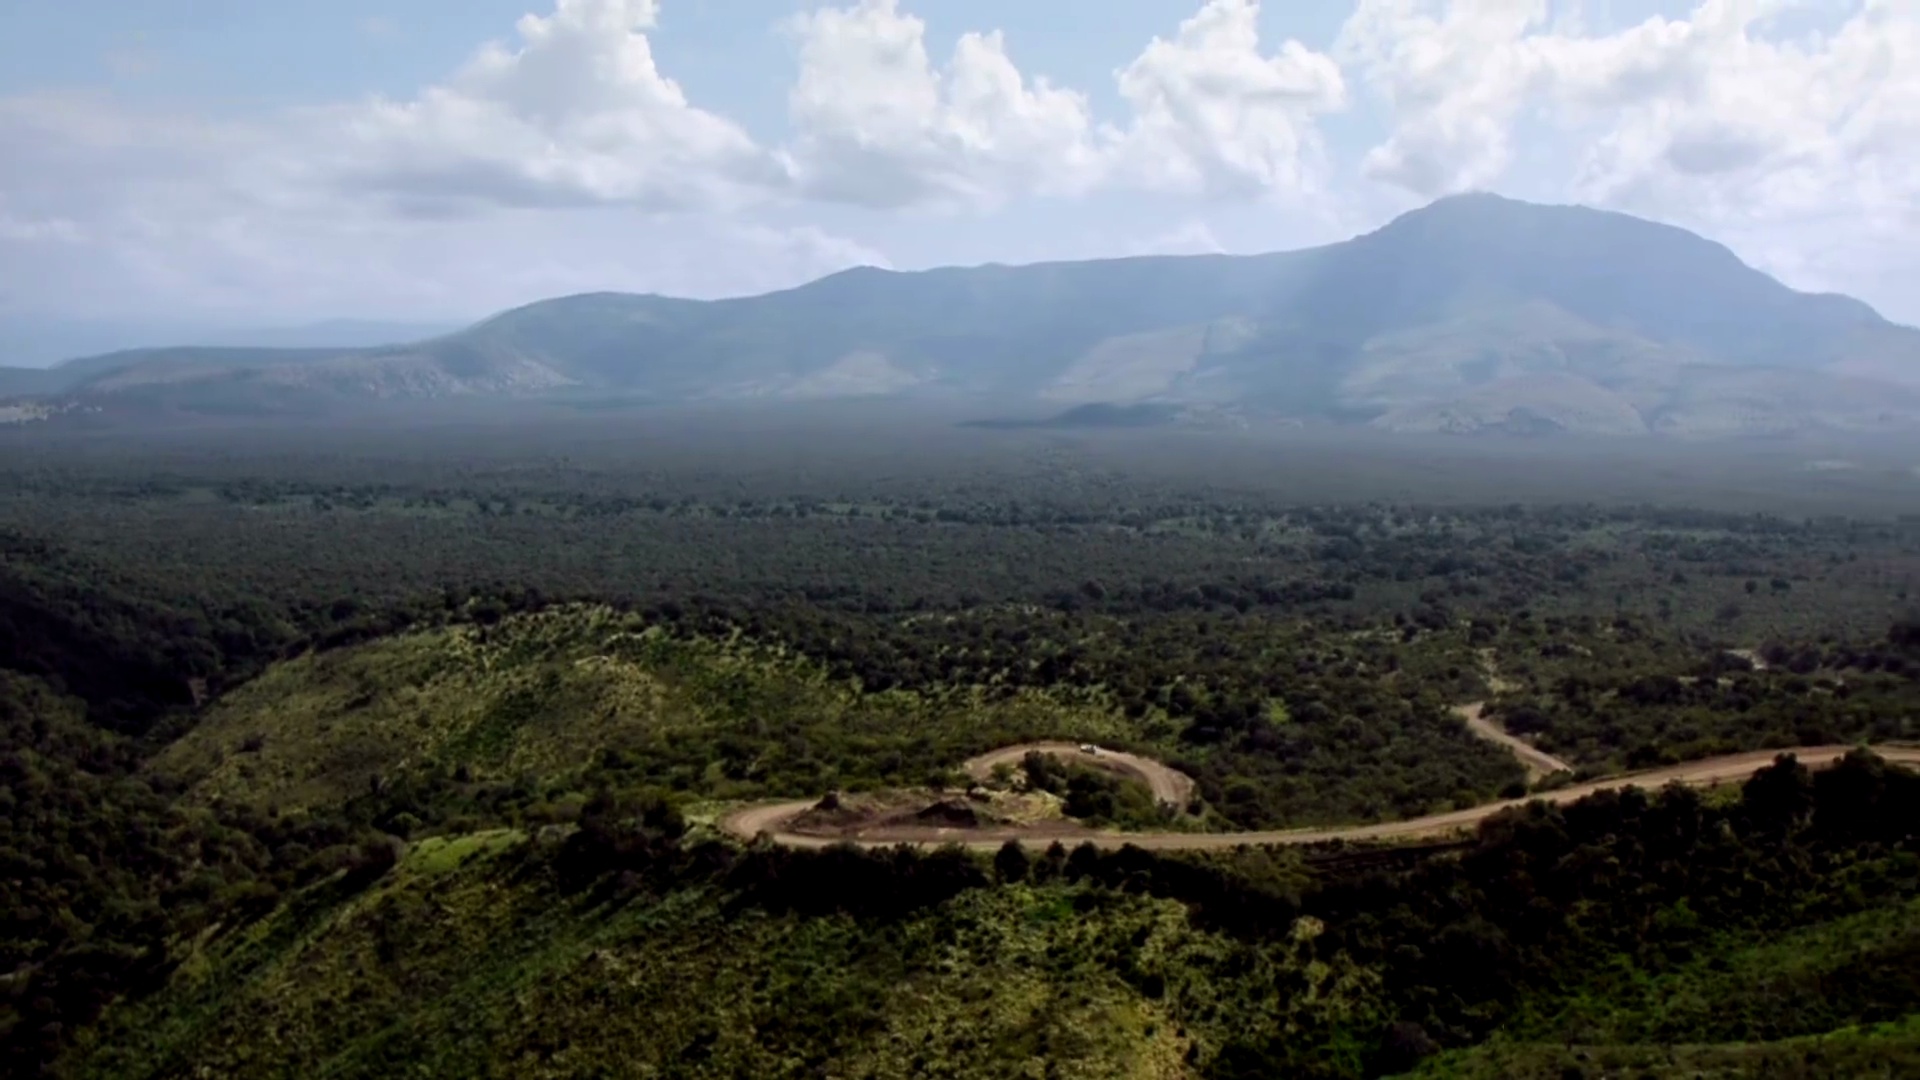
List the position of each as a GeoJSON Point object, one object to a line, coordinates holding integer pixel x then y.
{"type": "Point", "coordinates": [1170, 786]}
{"type": "Point", "coordinates": [772, 819]}
{"type": "Point", "coordinates": [1536, 761]}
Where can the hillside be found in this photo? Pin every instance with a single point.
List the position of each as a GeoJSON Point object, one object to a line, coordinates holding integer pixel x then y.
{"type": "Point", "coordinates": [544, 910]}
{"type": "Point", "coordinates": [310, 770]}
{"type": "Point", "coordinates": [1476, 313]}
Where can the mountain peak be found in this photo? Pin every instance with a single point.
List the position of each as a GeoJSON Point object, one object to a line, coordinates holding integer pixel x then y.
{"type": "Point", "coordinates": [1487, 209]}
{"type": "Point", "coordinates": [1459, 312]}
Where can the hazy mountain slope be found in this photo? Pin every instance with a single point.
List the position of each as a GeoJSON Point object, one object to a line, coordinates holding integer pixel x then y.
{"type": "Point", "coordinates": [137, 367]}
{"type": "Point", "coordinates": [1610, 269]}
{"type": "Point", "coordinates": [1886, 351]}
{"type": "Point", "coordinates": [18, 381]}
{"type": "Point", "coordinates": [43, 341]}
{"type": "Point", "coordinates": [1451, 317]}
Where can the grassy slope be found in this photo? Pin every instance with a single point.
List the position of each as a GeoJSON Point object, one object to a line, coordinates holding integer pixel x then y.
{"type": "Point", "coordinates": [544, 695]}
{"type": "Point", "coordinates": [467, 960]}
{"type": "Point", "coordinates": [1878, 1052]}
{"type": "Point", "coordinates": [461, 962]}
{"type": "Point", "coordinates": [456, 964]}
{"type": "Point", "coordinates": [1830, 1000]}
{"type": "Point", "coordinates": [537, 702]}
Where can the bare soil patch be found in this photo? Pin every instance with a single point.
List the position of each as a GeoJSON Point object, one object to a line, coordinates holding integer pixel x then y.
{"type": "Point", "coordinates": [912, 816]}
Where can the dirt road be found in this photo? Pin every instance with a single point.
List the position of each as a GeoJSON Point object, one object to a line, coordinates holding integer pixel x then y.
{"type": "Point", "coordinates": [1169, 786]}
{"type": "Point", "coordinates": [1536, 761]}
{"type": "Point", "coordinates": [771, 819]}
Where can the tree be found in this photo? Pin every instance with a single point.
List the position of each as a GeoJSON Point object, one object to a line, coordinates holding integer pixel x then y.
{"type": "Point", "coordinates": [1011, 864]}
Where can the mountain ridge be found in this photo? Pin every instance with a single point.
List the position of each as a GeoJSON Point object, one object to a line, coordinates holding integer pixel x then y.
{"type": "Point", "coordinates": [1473, 313]}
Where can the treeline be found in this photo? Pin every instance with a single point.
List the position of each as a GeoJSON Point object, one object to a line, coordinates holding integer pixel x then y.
{"type": "Point", "coordinates": [104, 874]}
{"type": "Point", "coordinates": [103, 871]}
{"type": "Point", "coordinates": [140, 648]}
{"type": "Point", "coordinates": [1301, 657]}
{"type": "Point", "coordinates": [108, 870]}
{"type": "Point", "coordinates": [1805, 695]}
{"type": "Point", "coordinates": [318, 529]}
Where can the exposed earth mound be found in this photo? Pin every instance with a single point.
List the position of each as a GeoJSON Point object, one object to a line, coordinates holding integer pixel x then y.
{"type": "Point", "coordinates": [948, 813]}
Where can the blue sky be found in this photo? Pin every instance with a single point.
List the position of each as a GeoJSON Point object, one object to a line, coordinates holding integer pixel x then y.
{"type": "Point", "coordinates": [241, 163]}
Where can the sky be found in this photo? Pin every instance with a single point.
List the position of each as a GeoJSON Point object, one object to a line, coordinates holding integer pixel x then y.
{"type": "Point", "coordinates": [235, 162]}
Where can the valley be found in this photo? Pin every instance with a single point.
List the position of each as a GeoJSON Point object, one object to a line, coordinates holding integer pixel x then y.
{"type": "Point", "coordinates": [469, 749]}
{"type": "Point", "coordinates": [893, 540]}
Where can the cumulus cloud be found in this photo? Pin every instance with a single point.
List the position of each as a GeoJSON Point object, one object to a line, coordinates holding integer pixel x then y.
{"type": "Point", "coordinates": [150, 214]}
{"type": "Point", "coordinates": [876, 124]}
{"type": "Point", "coordinates": [570, 133]}
{"type": "Point", "coordinates": [1213, 116]}
{"type": "Point", "coordinates": [1747, 124]}
{"type": "Point", "coordinates": [577, 113]}
{"type": "Point", "coordinates": [566, 157]}
{"type": "Point", "coordinates": [564, 161]}
{"type": "Point", "coordinates": [293, 267]}
{"type": "Point", "coordinates": [1210, 115]}
{"type": "Point", "coordinates": [1715, 108]}
{"type": "Point", "coordinates": [1742, 117]}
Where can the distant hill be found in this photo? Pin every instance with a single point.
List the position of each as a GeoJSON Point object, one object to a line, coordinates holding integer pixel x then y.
{"type": "Point", "coordinates": [1096, 415]}
{"type": "Point", "coordinates": [40, 342]}
{"type": "Point", "coordinates": [1476, 313]}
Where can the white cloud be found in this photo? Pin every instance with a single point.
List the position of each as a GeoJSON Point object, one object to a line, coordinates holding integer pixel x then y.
{"type": "Point", "coordinates": [566, 158]}
{"type": "Point", "coordinates": [577, 114]}
{"type": "Point", "coordinates": [1454, 75]}
{"type": "Point", "coordinates": [1212, 116]}
{"type": "Point", "coordinates": [875, 124]}
{"type": "Point", "coordinates": [1712, 111]}
{"type": "Point", "coordinates": [564, 163]}
{"type": "Point", "coordinates": [1769, 123]}
{"type": "Point", "coordinates": [112, 211]}
{"type": "Point", "coordinates": [290, 268]}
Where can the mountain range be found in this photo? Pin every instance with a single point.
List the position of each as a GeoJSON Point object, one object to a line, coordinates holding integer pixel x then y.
{"type": "Point", "coordinates": [1474, 314]}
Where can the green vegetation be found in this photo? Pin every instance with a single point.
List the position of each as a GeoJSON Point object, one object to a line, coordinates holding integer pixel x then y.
{"type": "Point", "coordinates": [1877, 1052]}
{"type": "Point", "coordinates": [574, 696]}
{"type": "Point", "coordinates": [1858, 969]}
{"type": "Point", "coordinates": [329, 763]}
{"type": "Point", "coordinates": [546, 700]}
{"type": "Point", "coordinates": [497, 955]}
{"type": "Point", "coordinates": [1096, 796]}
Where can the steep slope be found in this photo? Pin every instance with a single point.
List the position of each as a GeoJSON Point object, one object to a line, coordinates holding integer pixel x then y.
{"type": "Point", "coordinates": [1474, 313]}
{"type": "Point", "coordinates": [1612, 270]}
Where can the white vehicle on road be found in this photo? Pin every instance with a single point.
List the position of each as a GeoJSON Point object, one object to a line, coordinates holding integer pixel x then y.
{"type": "Point", "coordinates": [1089, 748]}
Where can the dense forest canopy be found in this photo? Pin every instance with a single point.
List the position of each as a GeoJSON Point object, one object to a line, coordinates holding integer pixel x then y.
{"type": "Point", "coordinates": [495, 682]}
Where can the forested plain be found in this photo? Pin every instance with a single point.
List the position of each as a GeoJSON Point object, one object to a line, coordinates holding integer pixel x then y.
{"type": "Point", "coordinates": [354, 752]}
